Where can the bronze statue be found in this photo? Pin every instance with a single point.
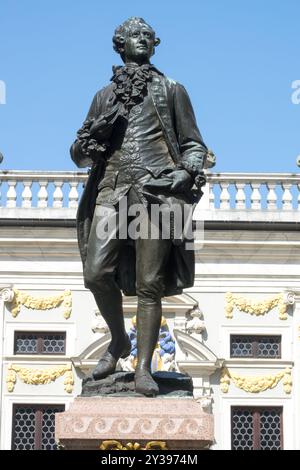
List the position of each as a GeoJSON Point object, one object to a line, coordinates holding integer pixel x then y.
{"type": "Point", "coordinates": [141, 140]}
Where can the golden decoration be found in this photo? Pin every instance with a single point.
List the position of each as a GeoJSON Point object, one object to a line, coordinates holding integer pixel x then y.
{"type": "Point", "coordinates": [256, 384]}
{"type": "Point", "coordinates": [41, 303]}
{"type": "Point", "coordinates": [225, 380]}
{"type": "Point", "coordinates": [255, 308]}
{"type": "Point", "coordinates": [39, 377]}
{"type": "Point", "coordinates": [69, 381]}
{"type": "Point", "coordinates": [116, 445]}
{"type": "Point", "coordinates": [11, 379]}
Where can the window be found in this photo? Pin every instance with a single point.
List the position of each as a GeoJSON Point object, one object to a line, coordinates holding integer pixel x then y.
{"type": "Point", "coordinates": [33, 427]}
{"type": "Point", "coordinates": [256, 428]}
{"type": "Point", "coordinates": [268, 347]}
{"type": "Point", "coordinates": [40, 342]}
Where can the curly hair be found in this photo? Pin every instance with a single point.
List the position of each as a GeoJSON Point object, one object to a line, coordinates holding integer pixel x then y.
{"type": "Point", "coordinates": [122, 31]}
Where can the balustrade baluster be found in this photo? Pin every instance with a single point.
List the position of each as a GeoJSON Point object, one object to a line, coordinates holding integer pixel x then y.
{"type": "Point", "coordinates": [73, 195]}
{"type": "Point", "coordinates": [271, 197]}
{"type": "Point", "coordinates": [27, 194]}
{"type": "Point", "coordinates": [211, 195]}
{"type": "Point", "coordinates": [43, 194]}
{"type": "Point", "coordinates": [224, 196]}
{"type": "Point", "coordinates": [255, 196]}
{"type": "Point", "coordinates": [58, 195]}
{"type": "Point", "coordinates": [11, 194]}
{"type": "Point", "coordinates": [287, 198]}
{"type": "Point", "coordinates": [240, 197]}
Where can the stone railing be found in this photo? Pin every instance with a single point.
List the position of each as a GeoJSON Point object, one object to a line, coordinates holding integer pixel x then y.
{"type": "Point", "coordinates": [261, 197]}
{"type": "Point", "coordinates": [227, 196]}
{"type": "Point", "coordinates": [255, 191]}
{"type": "Point", "coordinates": [40, 188]}
{"type": "Point", "coordinates": [43, 194]}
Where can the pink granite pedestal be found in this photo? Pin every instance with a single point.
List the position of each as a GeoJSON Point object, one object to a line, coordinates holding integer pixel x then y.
{"type": "Point", "coordinates": [180, 422]}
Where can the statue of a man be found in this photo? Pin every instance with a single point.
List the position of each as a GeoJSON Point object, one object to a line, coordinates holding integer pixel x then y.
{"type": "Point", "coordinates": [141, 140]}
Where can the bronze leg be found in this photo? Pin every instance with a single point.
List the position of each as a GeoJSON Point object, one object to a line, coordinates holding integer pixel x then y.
{"type": "Point", "coordinates": [99, 276]}
{"type": "Point", "coordinates": [152, 256]}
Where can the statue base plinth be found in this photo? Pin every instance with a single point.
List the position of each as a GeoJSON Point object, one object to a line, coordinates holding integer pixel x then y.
{"type": "Point", "coordinates": [180, 423]}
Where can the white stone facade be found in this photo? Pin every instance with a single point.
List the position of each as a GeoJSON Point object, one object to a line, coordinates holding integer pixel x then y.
{"type": "Point", "coordinates": [250, 248]}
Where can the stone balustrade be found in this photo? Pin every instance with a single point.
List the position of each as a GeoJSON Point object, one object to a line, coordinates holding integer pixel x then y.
{"type": "Point", "coordinates": [254, 191]}
{"type": "Point", "coordinates": [40, 189]}
{"type": "Point", "coordinates": [227, 196]}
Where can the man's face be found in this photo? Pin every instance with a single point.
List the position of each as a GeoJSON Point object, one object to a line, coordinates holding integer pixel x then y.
{"type": "Point", "coordinates": [139, 44]}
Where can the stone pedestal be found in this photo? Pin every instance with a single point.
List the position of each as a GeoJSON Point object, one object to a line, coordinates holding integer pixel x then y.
{"type": "Point", "coordinates": [179, 422]}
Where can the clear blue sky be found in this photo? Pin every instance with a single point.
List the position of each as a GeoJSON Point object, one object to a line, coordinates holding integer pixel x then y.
{"type": "Point", "coordinates": [237, 59]}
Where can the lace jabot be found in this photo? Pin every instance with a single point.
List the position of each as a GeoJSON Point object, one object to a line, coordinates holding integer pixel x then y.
{"type": "Point", "coordinates": [131, 83]}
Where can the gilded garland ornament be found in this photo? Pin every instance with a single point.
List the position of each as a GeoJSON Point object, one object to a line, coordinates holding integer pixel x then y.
{"type": "Point", "coordinates": [39, 376]}
{"type": "Point", "coordinates": [41, 303]}
{"type": "Point", "coordinates": [116, 445]}
{"type": "Point", "coordinates": [256, 384]}
{"type": "Point", "coordinates": [255, 308]}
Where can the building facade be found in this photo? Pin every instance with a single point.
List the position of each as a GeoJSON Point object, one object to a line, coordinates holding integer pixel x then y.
{"type": "Point", "coordinates": [236, 331]}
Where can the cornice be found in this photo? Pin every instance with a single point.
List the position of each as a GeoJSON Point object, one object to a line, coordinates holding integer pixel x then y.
{"type": "Point", "coordinates": [257, 363]}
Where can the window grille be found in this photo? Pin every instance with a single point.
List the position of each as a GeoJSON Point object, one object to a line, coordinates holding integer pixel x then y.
{"type": "Point", "coordinates": [256, 428]}
{"type": "Point", "coordinates": [40, 342]}
{"type": "Point", "coordinates": [33, 427]}
{"type": "Point", "coordinates": [268, 347]}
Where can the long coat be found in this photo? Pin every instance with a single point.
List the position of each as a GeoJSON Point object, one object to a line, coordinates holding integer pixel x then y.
{"type": "Point", "coordinates": [188, 151]}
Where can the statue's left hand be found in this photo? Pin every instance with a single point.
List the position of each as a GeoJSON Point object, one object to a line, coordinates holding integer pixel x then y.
{"type": "Point", "coordinates": [182, 180]}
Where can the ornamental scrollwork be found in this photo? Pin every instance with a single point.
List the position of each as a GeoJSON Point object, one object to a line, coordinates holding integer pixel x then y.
{"type": "Point", "coordinates": [256, 384]}
{"type": "Point", "coordinates": [116, 445]}
{"type": "Point", "coordinates": [40, 303]}
{"type": "Point", "coordinates": [257, 308]}
{"type": "Point", "coordinates": [39, 377]}
{"type": "Point", "coordinates": [7, 294]}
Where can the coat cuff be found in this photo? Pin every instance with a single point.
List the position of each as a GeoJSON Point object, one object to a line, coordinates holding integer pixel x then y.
{"type": "Point", "coordinates": [193, 164]}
